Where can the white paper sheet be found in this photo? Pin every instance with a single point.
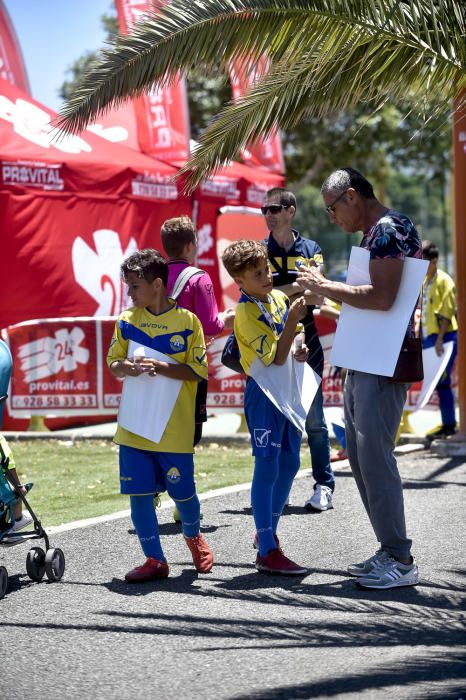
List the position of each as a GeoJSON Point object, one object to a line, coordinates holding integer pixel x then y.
{"type": "Point", "coordinates": [434, 366]}
{"type": "Point", "coordinates": [370, 341]}
{"type": "Point", "coordinates": [291, 387]}
{"type": "Point", "coordinates": [147, 402]}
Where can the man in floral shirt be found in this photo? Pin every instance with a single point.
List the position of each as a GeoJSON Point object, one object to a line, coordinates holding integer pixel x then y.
{"type": "Point", "coordinates": [373, 405]}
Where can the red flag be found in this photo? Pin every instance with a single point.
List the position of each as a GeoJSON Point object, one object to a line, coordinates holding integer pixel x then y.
{"type": "Point", "coordinates": [265, 152]}
{"type": "Point", "coordinates": [12, 67]}
{"type": "Point", "coordinates": [162, 114]}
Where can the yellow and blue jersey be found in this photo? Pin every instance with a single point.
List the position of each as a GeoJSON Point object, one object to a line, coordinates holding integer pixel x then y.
{"type": "Point", "coordinates": [285, 265]}
{"type": "Point", "coordinates": [177, 333]}
{"type": "Point", "coordinates": [439, 302]}
{"type": "Point", "coordinates": [259, 326]}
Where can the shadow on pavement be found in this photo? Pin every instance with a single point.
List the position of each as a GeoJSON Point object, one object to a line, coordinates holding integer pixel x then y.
{"type": "Point", "coordinates": [262, 634]}
{"type": "Point", "coordinates": [417, 674]}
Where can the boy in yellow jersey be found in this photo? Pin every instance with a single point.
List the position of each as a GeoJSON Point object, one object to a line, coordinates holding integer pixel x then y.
{"type": "Point", "coordinates": [265, 327]}
{"type": "Point", "coordinates": [147, 467]}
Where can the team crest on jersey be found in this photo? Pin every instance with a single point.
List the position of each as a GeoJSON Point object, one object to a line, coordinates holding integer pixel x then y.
{"type": "Point", "coordinates": [200, 356]}
{"type": "Point", "coordinates": [301, 262]}
{"type": "Point", "coordinates": [173, 475]}
{"type": "Point", "coordinates": [177, 343]}
{"type": "Point", "coordinates": [261, 345]}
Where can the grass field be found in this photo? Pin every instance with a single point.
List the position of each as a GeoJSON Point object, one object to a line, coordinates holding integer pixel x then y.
{"type": "Point", "coordinates": [75, 480]}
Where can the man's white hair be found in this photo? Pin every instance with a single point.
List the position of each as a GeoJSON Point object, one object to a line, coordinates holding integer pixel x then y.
{"type": "Point", "coordinates": [337, 182]}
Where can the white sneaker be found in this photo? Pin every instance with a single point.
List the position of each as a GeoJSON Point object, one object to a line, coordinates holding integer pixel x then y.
{"type": "Point", "coordinates": [391, 574]}
{"type": "Point", "coordinates": [22, 522]}
{"type": "Point", "coordinates": [321, 499]}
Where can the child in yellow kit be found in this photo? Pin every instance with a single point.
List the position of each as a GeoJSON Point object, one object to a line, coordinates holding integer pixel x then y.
{"type": "Point", "coordinates": [147, 467]}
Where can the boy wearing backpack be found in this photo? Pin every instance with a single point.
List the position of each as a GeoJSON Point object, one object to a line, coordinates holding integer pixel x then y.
{"type": "Point", "coordinates": [192, 289]}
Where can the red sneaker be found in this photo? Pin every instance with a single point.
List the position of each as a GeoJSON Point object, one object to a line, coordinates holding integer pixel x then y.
{"type": "Point", "coordinates": [151, 570]}
{"type": "Point", "coordinates": [202, 556]}
{"type": "Point", "coordinates": [275, 562]}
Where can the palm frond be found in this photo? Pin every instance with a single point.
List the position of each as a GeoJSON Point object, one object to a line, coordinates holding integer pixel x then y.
{"type": "Point", "coordinates": [324, 55]}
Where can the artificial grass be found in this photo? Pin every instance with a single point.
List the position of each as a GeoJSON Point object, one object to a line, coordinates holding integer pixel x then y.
{"type": "Point", "coordinates": [76, 480]}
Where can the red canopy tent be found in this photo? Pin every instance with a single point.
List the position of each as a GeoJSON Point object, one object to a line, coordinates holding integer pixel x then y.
{"type": "Point", "coordinates": [70, 209]}
{"type": "Point", "coordinates": [235, 185]}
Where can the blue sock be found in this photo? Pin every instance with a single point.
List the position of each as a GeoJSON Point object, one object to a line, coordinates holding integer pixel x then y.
{"type": "Point", "coordinates": [190, 514]}
{"type": "Point", "coordinates": [147, 527]}
{"type": "Point", "coordinates": [288, 466]}
{"type": "Point", "coordinates": [265, 474]}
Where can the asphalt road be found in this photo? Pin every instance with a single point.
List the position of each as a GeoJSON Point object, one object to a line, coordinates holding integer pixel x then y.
{"type": "Point", "coordinates": [238, 634]}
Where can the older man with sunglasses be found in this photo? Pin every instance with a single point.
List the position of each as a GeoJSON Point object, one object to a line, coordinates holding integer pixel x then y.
{"type": "Point", "coordinates": [373, 405]}
{"type": "Point", "coordinates": [288, 252]}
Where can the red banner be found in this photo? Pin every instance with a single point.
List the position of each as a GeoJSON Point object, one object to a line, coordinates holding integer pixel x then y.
{"type": "Point", "coordinates": [161, 115]}
{"type": "Point", "coordinates": [12, 68]}
{"type": "Point", "coordinates": [265, 152]}
{"type": "Point", "coordinates": [226, 388]}
{"type": "Point", "coordinates": [64, 251]}
{"type": "Point", "coordinates": [59, 368]}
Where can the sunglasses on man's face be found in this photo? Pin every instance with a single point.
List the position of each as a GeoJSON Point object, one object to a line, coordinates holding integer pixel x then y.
{"type": "Point", "coordinates": [274, 208]}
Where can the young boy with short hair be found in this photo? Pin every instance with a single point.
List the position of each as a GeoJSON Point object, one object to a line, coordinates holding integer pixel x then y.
{"type": "Point", "coordinates": [195, 292]}
{"type": "Point", "coordinates": [265, 328]}
{"type": "Point", "coordinates": [146, 467]}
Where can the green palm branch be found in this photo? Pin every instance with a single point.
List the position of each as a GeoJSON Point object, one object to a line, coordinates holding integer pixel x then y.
{"type": "Point", "coordinates": [324, 55]}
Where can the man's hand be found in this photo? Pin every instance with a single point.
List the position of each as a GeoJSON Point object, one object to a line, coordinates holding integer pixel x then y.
{"type": "Point", "coordinates": [439, 346]}
{"type": "Point", "coordinates": [311, 279]}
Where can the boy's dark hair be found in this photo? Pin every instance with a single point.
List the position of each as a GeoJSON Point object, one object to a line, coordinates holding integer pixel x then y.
{"type": "Point", "coordinates": [287, 197]}
{"type": "Point", "coordinates": [243, 255]}
{"type": "Point", "coordinates": [429, 250]}
{"type": "Point", "coordinates": [176, 233]}
{"type": "Point", "coordinates": [147, 264]}
{"type": "Point", "coordinates": [341, 179]}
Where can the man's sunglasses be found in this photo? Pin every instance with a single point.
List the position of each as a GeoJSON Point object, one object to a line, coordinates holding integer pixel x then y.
{"type": "Point", "coordinates": [274, 208]}
{"type": "Point", "coordinates": [330, 209]}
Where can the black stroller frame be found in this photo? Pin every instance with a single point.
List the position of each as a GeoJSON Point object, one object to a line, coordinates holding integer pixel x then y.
{"type": "Point", "coordinates": [38, 562]}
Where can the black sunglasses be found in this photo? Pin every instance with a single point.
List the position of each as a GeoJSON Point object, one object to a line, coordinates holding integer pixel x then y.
{"type": "Point", "coordinates": [274, 208]}
{"type": "Point", "coordinates": [330, 209]}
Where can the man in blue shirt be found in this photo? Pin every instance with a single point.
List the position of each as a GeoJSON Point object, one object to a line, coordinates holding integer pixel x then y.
{"type": "Point", "coordinates": [288, 252]}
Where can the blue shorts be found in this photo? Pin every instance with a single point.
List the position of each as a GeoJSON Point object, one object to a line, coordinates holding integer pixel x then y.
{"type": "Point", "coordinates": [271, 432]}
{"type": "Point", "coordinates": [143, 472]}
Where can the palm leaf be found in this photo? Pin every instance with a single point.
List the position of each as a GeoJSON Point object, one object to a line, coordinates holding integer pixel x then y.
{"type": "Point", "coordinates": [324, 55]}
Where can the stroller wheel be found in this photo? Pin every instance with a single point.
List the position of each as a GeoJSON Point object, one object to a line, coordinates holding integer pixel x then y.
{"type": "Point", "coordinates": [3, 581]}
{"type": "Point", "coordinates": [54, 564]}
{"type": "Point", "coordinates": [35, 563]}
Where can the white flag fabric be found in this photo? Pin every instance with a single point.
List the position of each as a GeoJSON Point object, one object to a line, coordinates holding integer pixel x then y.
{"type": "Point", "coordinates": [370, 341]}
{"type": "Point", "coordinates": [291, 387]}
{"type": "Point", "coordinates": [434, 367]}
{"type": "Point", "coordinates": [147, 402]}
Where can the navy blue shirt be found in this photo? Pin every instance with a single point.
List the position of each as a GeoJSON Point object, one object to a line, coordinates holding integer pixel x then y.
{"type": "Point", "coordinates": [285, 265]}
